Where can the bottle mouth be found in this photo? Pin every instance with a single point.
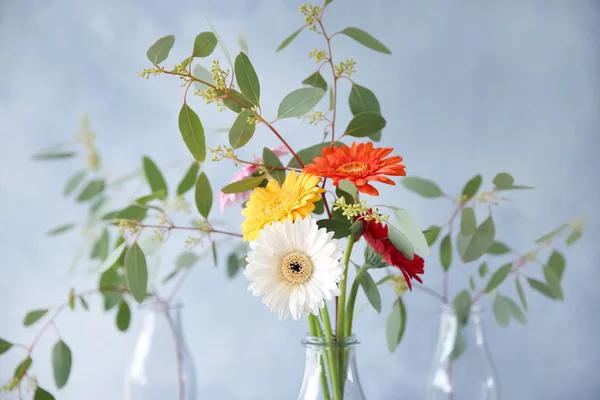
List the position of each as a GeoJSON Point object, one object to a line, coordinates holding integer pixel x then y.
{"type": "Point", "coordinates": [320, 341]}
{"type": "Point", "coordinates": [449, 309]}
{"type": "Point", "coordinates": [154, 304]}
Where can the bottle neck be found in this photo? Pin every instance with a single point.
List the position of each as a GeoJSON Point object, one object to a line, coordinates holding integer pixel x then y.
{"type": "Point", "coordinates": [161, 318]}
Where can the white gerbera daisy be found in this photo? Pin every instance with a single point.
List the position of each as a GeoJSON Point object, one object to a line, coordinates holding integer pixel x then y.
{"type": "Point", "coordinates": [295, 266]}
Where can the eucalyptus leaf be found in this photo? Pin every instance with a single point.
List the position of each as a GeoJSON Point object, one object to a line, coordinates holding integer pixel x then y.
{"type": "Point", "coordinates": [540, 287]}
{"type": "Point", "coordinates": [549, 236]}
{"type": "Point", "coordinates": [100, 248]}
{"type": "Point", "coordinates": [553, 283]}
{"type": "Point", "coordinates": [247, 79]}
{"type": "Point", "coordinates": [308, 155]}
{"type": "Point", "coordinates": [271, 160]}
{"type": "Point", "coordinates": [33, 316]}
{"type": "Point", "coordinates": [123, 317]}
{"type": "Point", "coordinates": [498, 248]}
{"type": "Point", "coordinates": [242, 131]}
{"type": "Point", "coordinates": [189, 179]}
{"type": "Point", "coordinates": [91, 190]}
{"type": "Point", "coordinates": [446, 252]}
{"type": "Point", "coordinates": [316, 80]}
{"type": "Point", "coordinates": [468, 222]}
{"type": "Point", "coordinates": [204, 44]}
{"type": "Point", "coordinates": [74, 181]}
{"type": "Point", "coordinates": [521, 293]}
{"type": "Point", "coordinates": [423, 187]}
{"type": "Point", "coordinates": [557, 263]}
{"type": "Point", "coordinates": [60, 229]}
{"type": "Point", "coordinates": [299, 102]}
{"type": "Point", "coordinates": [340, 228]}
{"type": "Point", "coordinates": [192, 132]}
{"type": "Point", "coordinates": [401, 242]}
{"type": "Point", "coordinates": [233, 265]}
{"type": "Point", "coordinates": [203, 74]}
{"type": "Point", "coordinates": [503, 180]}
{"type": "Point", "coordinates": [515, 311]}
{"type": "Point", "coordinates": [410, 227]}
{"type": "Point", "coordinates": [203, 195]}
{"type": "Point", "coordinates": [498, 277]}
{"type": "Point", "coordinates": [431, 234]}
{"type": "Point", "coordinates": [41, 394]}
{"type": "Point", "coordinates": [473, 246]}
{"type": "Point", "coordinates": [366, 39]}
{"type": "Point", "coordinates": [396, 325]}
{"type": "Point", "coordinates": [159, 51]}
{"type": "Point", "coordinates": [154, 177]}
{"type": "Point", "coordinates": [221, 42]}
{"type": "Point", "coordinates": [471, 187]}
{"type": "Point", "coordinates": [289, 39]}
{"type": "Point", "coordinates": [371, 291]}
{"type": "Point", "coordinates": [243, 185]}
{"type": "Point", "coordinates": [243, 42]}
{"type": "Point", "coordinates": [234, 100]}
{"type": "Point", "coordinates": [54, 155]}
{"type": "Point", "coordinates": [136, 272]}
{"type": "Point", "coordinates": [483, 269]}
{"type": "Point", "coordinates": [23, 367]}
{"type": "Point", "coordinates": [112, 258]}
{"type": "Point", "coordinates": [365, 124]}
{"type": "Point", "coordinates": [4, 346]}
{"type": "Point", "coordinates": [61, 363]}
{"type": "Point", "coordinates": [573, 237]}
{"type": "Point", "coordinates": [502, 311]}
{"type": "Point", "coordinates": [462, 306]}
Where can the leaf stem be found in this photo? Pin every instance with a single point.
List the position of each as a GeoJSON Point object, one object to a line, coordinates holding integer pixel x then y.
{"type": "Point", "coordinates": [333, 367]}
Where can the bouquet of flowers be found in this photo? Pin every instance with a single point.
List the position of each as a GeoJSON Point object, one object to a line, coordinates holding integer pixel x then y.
{"type": "Point", "coordinates": [302, 218]}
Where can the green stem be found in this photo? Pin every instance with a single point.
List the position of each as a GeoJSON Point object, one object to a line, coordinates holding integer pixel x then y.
{"type": "Point", "coordinates": [333, 370]}
{"type": "Point", "coordinates": [342, 298]}
{"type": "Point", "coordinates": [383, 280]}
{"type": "Point", "coordinates": [315, 330]}
{"type": "Point", "coordinates": [352, 300]}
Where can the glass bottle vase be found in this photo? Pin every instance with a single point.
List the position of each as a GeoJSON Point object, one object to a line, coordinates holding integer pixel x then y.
{"type": "Point", "coordinates": [161, 366]}
{"type": "Point", "coordinates": [462, 367]}
{"type": "Point", "coordinates": [323, 355]}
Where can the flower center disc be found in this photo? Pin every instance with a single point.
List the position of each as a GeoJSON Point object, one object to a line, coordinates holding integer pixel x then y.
{"type": "Point", "coordinates": [297, 267]}
{"type": "Point", "coordinates": [355, 167]}
{"type": "Point", "coordinates": [278, 204]}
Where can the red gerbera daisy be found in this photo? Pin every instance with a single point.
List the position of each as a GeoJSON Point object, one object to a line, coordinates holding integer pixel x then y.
{"type": "Point", "coordinates": [358, 164]}
{"type": "Point", "coordinates": [376, 235]}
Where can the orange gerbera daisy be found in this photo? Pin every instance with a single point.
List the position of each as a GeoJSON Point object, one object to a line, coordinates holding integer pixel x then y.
{"type": "Point", "coordinates": [358, 164]}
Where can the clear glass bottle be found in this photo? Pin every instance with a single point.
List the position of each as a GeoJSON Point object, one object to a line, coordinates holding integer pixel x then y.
{"type": "Point", "coordinates": [316, 384]}
{"type": "Point", "coordinates": [161, 366]}
{"type": "Point", "coordinates": [462, 367]}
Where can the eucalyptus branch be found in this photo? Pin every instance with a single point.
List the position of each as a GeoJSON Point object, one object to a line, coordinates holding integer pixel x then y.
{"type": "Point", "coordinates": [170, 227]}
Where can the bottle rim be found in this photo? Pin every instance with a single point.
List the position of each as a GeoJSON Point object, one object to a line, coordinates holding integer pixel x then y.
{"type": "Point", "coordinates": [321, 341]}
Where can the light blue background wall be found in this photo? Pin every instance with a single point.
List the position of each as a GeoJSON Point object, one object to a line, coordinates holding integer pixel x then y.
{"type": "Point", "coordinates": [470, 87]}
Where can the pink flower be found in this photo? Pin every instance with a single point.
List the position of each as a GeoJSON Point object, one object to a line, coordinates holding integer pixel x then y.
{"type": "Point", "coordinates": [225, 200]}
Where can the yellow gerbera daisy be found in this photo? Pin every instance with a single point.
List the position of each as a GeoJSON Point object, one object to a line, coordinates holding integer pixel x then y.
{"type": "Point", "coordinates": [295, 198]}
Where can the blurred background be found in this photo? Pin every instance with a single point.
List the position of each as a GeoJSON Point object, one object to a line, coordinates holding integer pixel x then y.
{"type": "Point", "coordinates": [469, 88]}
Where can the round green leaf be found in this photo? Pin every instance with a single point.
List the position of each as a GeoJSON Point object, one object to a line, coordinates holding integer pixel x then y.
{"type": "Point", "coordinates": [4, 346]}
{"type": "Point", "coordinates": [412, 230]}
{"type": "Point", "coordinates": [123, 316]}
{"type": "Point", "coordinates": [498, 277]}
{"type": "Point", "coordinates": [159, 51]}
{"type": "Point", "coordinates": [299, 102]}
{"type": "Point", "coordinates": [401, 242]}
{"type": "Point", "coordinates": [243, 185]}
{"type": "Point", "coordinates": [340, 228]}
{"type": "Point", "coordinates": [362, 99]}
{"type": "Point", "coordinates": [204, 195]}
{"type": "Point", "coordinates": [365, 124]}
{"type": "Point", "coordinates": [41, 394]}
{"type": "Point", "coordinates": [241, 131]}
{"type": "Point", "coordinates": [204, 44]}
{"type": "Point", "coordinates": [471, 247]}
{"type": "Point", "coordinates": [189, 179]}
{"type": "Point", "coordinates": [501, 311]}
{"type": "Point", "coordinates": [192, 132]}
{"type": "Point", "coordinates": [446, 252]}
{"type": "Point", "coordinates": [271, 160]}
{"type": "Point", "coordinates": [498, 248]}
{"type": "Point", "coordinates": [540, 287]}
{"type": "Point", "coordinates": [553, 282]}
{"type": "Point", "coordinates": [483, 269]}
{"type": "Point", "coordinates": [154, 177]}
{"type": "Point", "coordinates": [136, 272]}
{"type": "Point", "coordinates": [468, 223]}
{"type": "Point", "coordinates": [366, 39]}
{"type": "Point", "coordinates": [431, 234]}
{"type": "Point", "coordinates": [471, 187]}
{"type": "Point", "coordinates": [423, 187]}
{"type": "Point", "coordinates": [316, 80]}
{"type": "Point", "coordinates": [503, 180]}
{"type": "Point", "coordinates": [33, 316]}
{"type": "Point", "coordinates": [557, 263]}
{"type": "Point", "coordinates": [247, 79]}
{"type": "Point", "coordinates": [61, 363]}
